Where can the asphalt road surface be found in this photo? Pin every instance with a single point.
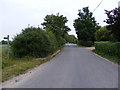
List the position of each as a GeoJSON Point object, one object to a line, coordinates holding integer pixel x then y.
{"type": "Point", "coordinates": [73, 67]}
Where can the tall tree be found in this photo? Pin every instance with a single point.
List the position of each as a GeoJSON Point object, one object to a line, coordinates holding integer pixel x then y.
{"type": "Point", "coordinates": [114, 22]}
{"type": "Point", "coordinates": [56, 24]}
{"type": "Point", "coordinates": [103, 34]}
{"type": "Point", "coordinates": [85, 25]}
{"type": "Point", "coordinates": [72, 39]}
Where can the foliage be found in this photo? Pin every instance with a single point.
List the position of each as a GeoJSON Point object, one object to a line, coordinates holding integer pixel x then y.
{"type": "Point", "coordinates": [85, 25]}
{"type": "Point", "coordinates": [55, 21]}
{"type": "Point", "coordinates": [72, 39]}
{"type": "Point", "coordinates": [53, 40]}
{"type": "Point", "coordinates": [111, 58]}
{"type": "Point", "coordinates": [56, 24]}
{"type": "Point", "coordinates": [103, 34]}
{"type": "Point", "coordinates": [4, 42]}
{"type": "Point", "coordinates": [109, 48]}
{"type": "Point", "coordinates": [114, 22]}
{"type": "Point", "coordinates": [85, 43]}
{"type": "Point", "coordinates": [32, 42]}
{"type": "Point", "coordinates": [36, 42]}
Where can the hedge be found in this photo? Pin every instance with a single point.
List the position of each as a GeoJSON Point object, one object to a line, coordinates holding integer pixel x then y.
{"type": "Point", "coordinates": [109, 48]}
{"type": "Point", "coordinates": [85, 43]}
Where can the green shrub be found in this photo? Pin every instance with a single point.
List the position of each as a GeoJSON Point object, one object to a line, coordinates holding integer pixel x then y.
{"type": "Point", "coordinates": [61, 41]}
{"type": "Point", "coordinates": [103, 34]}
{"type": "Point", "coordinates": [57, 37]}
{"type": "Point", "coordinates": [85, 43]}
{"type": "Point", "coordinates": [53, 41]}
{"type": "Point", "coordinates": [109, 48]}
{"type": "Point", "coordinates": [32, 42]}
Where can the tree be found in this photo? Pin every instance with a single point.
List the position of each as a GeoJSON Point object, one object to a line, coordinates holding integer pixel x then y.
{"type": "Point", "coordinates": [56, 24]}
{"type": "Point", "coordinates": [85, 25]}
{"type": "Point", "coordinates": [4, 42]}
{"type": "Point", "coordinates": [53, 21]}
{"type": "Point", "coordinates": [72, 39]}
{"type": "Point", "coordinates": [114, 22]}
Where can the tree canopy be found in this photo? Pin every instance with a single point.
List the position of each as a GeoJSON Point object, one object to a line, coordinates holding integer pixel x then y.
{"type": "Point", "coordinates": [114, 22]}
{"type": "Point", "coordinates": [103, 34]}
{"type": "Point", "coordinates": [85, 25]}
{"type": "Point", "coordinates": [56, 24]}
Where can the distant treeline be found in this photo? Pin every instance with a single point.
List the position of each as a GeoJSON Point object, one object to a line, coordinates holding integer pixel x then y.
{"type": "Point", "coordinates": [4, 42]}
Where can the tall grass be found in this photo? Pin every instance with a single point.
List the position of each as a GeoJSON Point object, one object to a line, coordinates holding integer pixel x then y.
{"type": "Point", "coordinates": [15, 66]}
{"type": "Point", "coordinates": [5, 60]}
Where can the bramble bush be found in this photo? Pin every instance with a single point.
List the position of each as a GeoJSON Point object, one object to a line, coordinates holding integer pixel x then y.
{"type": "Point", "coordinates": [109, 48]}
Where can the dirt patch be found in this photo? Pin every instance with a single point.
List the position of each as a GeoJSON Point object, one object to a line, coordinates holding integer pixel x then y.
{"type": "Point", "coordinates": [90, 48]}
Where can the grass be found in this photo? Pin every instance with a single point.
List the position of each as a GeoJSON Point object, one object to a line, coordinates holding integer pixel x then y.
{"type": "Point", "coordinates": [19, 67]}
{"type": "Point", "coordinates": [114, 59]}
{"type": "Point", "coordinates": [15, 66]}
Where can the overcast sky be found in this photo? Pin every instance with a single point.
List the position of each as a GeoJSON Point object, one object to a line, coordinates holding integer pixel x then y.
{"type": "Point", "coordinates": [15, 15]}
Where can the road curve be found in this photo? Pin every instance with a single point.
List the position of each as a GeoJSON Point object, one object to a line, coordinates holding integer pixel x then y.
{"type": "Point", "coordinates": [74, 67]}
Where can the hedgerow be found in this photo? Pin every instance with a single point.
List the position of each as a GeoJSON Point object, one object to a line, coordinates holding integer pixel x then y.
{"type": "Point", "coordinates": [109, 48]}
{"type": "Point", "coordinates": [85, 43]}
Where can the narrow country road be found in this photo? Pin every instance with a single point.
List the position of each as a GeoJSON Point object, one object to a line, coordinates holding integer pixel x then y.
{"type": "Point", "coordinates": [73, 67]}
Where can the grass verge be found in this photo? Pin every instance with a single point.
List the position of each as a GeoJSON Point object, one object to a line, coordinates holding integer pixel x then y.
{"type": "Point", "coordinates": [17, 67]}
{"type": "Point", "coordinates": [114, 59]}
